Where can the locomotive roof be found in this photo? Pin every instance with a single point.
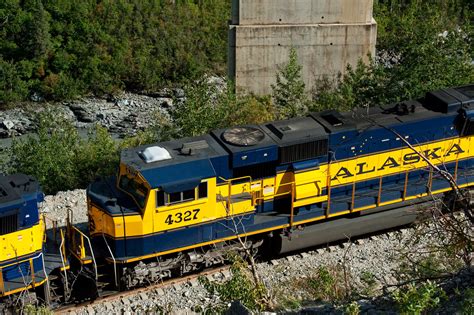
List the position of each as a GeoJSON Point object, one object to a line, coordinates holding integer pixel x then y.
{"type": "Point", "coordinates": [13, 187]}
{"type": "Point", "coordinates": [194, 154]}
{"type": "Point", "coordinates": [207, 149]}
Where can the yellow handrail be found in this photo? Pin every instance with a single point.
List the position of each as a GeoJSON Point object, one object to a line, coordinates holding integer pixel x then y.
{"type": "Point", "coordinates": [30, 262]}
{"type": "Point", "coordinates": [82, 247]}
{"type": "Point", "coordinates": [53, 222]}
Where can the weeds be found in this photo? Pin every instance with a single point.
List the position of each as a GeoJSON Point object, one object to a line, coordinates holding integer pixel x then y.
{"type": "Point", "coordinates": [240, 287]}
{"type": "Point", "coordinates": [369, 283]}
{"type": "Point", "coordinates": [36, 310]}
{"type": "Point", "coordinates": [416, 299]}
{"type": "Point", "coordinates": [352, 309]}
{"type": "Point", "coordinates": [326, 285]}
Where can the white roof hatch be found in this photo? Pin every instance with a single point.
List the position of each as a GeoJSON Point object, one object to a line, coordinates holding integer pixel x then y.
{"type": "Point", "coordinates": [154, 154]}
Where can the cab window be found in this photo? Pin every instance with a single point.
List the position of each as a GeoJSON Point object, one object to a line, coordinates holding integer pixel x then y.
{"type": "Point", "coordinates": [163, 198]}
{"type": "Point", "coordinates": [138, 191]}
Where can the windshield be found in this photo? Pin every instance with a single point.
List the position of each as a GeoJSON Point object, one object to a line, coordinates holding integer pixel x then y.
{"type": "Point", "coordinates": [138, 191]}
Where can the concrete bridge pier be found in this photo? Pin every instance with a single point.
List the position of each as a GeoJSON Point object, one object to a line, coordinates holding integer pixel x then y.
{"type": "Point", "coordinates": [327, 35]}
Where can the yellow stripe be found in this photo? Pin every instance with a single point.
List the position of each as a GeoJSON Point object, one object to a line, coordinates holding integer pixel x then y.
{"type": "Point", "coordinates": [23, 288]}
{"type": "Point", "coordinates": [274, 228]}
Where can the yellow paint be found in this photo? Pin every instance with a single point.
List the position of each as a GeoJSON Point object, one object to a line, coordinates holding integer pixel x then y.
{"type": "Point", "coordinates": [22, 242]}
{"type": "Point", "coordinates": [36, 284]}
{"type": "Point", "coordinates": [239, 196]}
{"type": "Point", "coordinates": [398, 161]}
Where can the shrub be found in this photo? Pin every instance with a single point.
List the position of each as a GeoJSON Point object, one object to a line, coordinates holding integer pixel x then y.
{"type": "Point", "coordinates": [326, 284]}
{"type": "Point", "coordinates": [418, 299]}
{"type": "Point", "coordinates": [289, 90]}
{"type": "Point", "coordinates": [240, 287]}
{"type": "Point", "coordinates": [36, 310]}
{"type": "Point", "coordinates": [352, 309]}
{"type": "Point", "coordinates": [59, 158]}
{"type": "Point", "coordinates": [206, 108]}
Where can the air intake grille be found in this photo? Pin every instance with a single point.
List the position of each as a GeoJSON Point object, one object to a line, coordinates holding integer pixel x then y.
{"type": "Point", "coordinates": [8, 224]}
{"type": "Point", "coordinates": [303, 151]}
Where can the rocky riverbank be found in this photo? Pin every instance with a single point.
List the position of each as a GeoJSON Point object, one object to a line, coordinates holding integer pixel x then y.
{"type": "Point", "coordinates": [122, 116]}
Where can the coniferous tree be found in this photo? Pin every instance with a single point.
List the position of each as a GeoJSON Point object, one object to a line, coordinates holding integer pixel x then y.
{"type": "Point", "coordinates": [289, 90]}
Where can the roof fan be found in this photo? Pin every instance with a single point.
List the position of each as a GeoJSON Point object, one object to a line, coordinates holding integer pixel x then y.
{"type": "Point", "coordinates": [243, 136]}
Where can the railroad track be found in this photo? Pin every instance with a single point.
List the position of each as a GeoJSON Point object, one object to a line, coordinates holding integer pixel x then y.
{"type": "Point", "coordinates": [124, 294]}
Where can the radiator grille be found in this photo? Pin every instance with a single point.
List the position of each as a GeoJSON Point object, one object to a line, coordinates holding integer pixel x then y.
{"type": "Point", "coordinates": [8, 224]}
{"type": "Point", "coordinates": [303, 151]}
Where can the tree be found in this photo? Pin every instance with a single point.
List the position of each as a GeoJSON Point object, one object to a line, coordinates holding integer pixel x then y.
{"type": "Point", "coordinates": [422, 45]}
{"type": "Point", "coordinates": [289, 90]}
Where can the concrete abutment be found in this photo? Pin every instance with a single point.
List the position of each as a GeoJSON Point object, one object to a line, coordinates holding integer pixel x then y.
{"type": "Point", "coordinates": [327, 35]}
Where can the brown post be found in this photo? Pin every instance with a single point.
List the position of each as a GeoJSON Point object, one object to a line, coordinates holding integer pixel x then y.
{"type": "Point", "coordinates": [32, 268]}
{"type": "Point", "coordinates": [405, 186]}
{"type": "Point", "coordinates": [380, 191]}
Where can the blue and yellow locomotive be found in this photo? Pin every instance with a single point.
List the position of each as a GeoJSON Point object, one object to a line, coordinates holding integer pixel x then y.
{"type": "Point", "coordinates": [173, 205]}
{"type": "Point", "coordinates": [21, 235]}
{"type": "Point", "coordinates": [30, 255]}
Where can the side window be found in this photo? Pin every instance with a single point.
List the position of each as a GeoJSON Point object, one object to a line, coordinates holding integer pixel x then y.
{"type": "Point", "coordinates": [160, 198]}
{"type": "Point", "coordinates": [163, 198]}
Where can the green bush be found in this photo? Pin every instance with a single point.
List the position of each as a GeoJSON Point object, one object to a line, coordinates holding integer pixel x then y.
{"type": "Point", "coordinates": [352, 309]}
{"type": "Point", "coordinates": [206, 108]}
{"type": "Point", "coordinates": [240, 287]}
{"type": "Point", "coordinates": [467, 305]}
{"type": "Point", "coordinates": [289, 90]}
{"type": "Point", "coordinates": [422, 45]}
{"type": "Point", "coordinates": [418, 299]}
{"type": "Point", "coordinates": [101, 47]}
{"type": "Point", "coordinates": [327, 284]}
{"type": "Point", "coordinates": [59, 158]}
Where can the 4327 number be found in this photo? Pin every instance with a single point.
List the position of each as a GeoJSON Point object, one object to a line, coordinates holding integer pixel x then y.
{"type": "Point", "coordinates": [179, 217]}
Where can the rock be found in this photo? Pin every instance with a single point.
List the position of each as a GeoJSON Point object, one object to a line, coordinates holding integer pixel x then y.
{"type": "Point", "coordinates": [8, 124]}
{"type": "Point", "coordinates": [237, 308]}
{"type": "Point", "coordinates": [36, 97]}
{"type": "Point", "coordinates": [122, 102]}
{"type": "Point", "coordinates": [179, 93]}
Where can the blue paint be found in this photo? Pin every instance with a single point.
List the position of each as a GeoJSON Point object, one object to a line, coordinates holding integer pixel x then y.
{"type": "Point", "coordinates": [171, 175]}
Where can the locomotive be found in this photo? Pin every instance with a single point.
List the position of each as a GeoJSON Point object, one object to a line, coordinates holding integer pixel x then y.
{"type": "Point", "coordinates": [178, 206]}
{"type": "Point", "coordinates": [29, 256]}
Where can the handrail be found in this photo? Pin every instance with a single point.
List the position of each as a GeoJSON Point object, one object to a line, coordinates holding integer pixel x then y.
{"type": "Point", "coordinates": [54, 223]}
{"type": "Point", "coordinates": [20, 261]}
{"type": "Point", "coordinates": [234, 179]}
{"type": "Point", "coordinates": [47, 293]}
{"type": "Point", "coordinates": [62, 252]}
{"type": "Point", "coordinates": [83, 248]}
{"type": "Point", "coordinates": [29, 260]}
{"type": "Point", "coordinates": [110, 251]}
{"type": "Point", "coordinates": [229, 187]}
